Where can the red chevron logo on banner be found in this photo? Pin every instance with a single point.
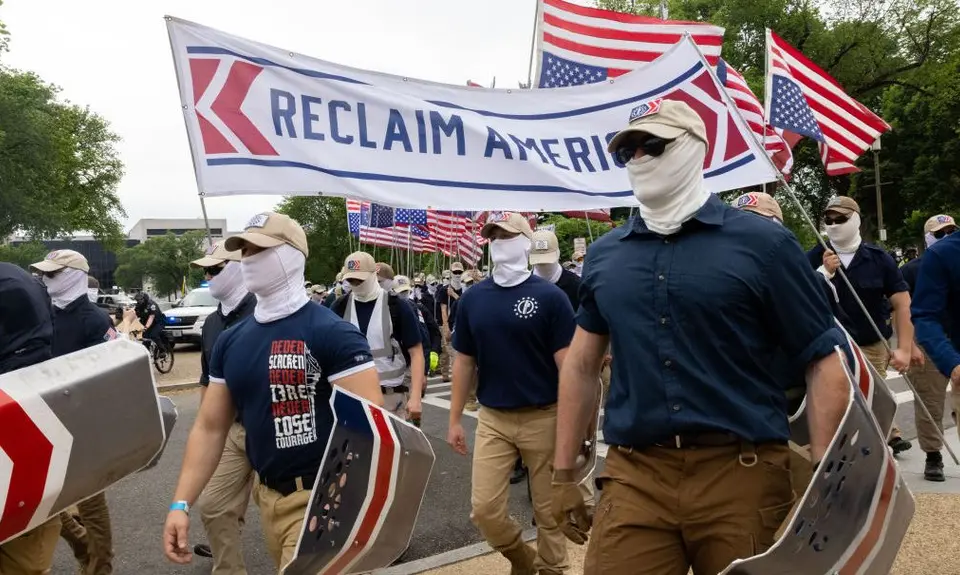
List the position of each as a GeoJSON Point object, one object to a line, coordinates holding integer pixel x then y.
{"type": "Point", "coordinates": [227, 107]}
{"type": "Point", "coordinates": [29, 451]}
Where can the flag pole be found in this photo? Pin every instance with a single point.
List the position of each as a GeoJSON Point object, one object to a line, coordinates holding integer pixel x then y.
{"type": "Point", "coordinates": [534, 41]}
{"type": "Point", "coordinates": [586, 216]}
{"type": "Point", "coordinates": [806, 216]}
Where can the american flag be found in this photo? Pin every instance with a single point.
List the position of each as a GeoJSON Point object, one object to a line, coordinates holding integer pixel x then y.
{"type": "Point", "coordinates": [805, 100]}
{"type": "Point", "coordinates": [752, 113]}
{"type": "Point", "coordinates": [582, 45]}
{"type": "Point", "coordinates": [456, 234]}
{"type": "Point", "coordinates": [380, 217]}
{"type": "Point", "coordinates": [407, 216]}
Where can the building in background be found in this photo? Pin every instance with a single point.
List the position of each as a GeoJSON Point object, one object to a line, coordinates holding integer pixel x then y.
{"type": "Point", "coordinates": [150, 227]}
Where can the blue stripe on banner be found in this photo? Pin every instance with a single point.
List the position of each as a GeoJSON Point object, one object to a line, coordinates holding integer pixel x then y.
{"type": "Point", "coordinates": [407, 180]}
{"type": "Point", "coordinates": [731, 166]}
{"type": "Point", "coordinates": [549, 116]}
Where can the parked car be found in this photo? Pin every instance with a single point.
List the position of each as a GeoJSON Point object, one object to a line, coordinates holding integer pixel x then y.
{"type": "Point", "coordinates": [113, 302]}
{"type": "Point", "coordinates": [185, 320]}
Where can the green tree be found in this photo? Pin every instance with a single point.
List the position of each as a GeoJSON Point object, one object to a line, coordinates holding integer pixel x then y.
{"type": "Point", "coordinates": [325, 222]}
{"type": "Point", "coordinates": [23, 254]}
{"type": "Point", "coordinates": [164, 261]}
{"type": "Point", "coordinates": [4, 35]}
{"type": "Point", "coordinates": [566, 229]}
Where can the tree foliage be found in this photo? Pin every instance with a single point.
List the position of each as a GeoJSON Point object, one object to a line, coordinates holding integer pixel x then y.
{"type": "Point", "coordinates": [567, 229]}
{"type": "Point", "coordinates": [900, 58]}
{"type": "Point", "coordinates": [325, 222]}
{"type": "Point", "coordinates": [23, 254]}
{"type": "Point", "coordinates": [164, 261]}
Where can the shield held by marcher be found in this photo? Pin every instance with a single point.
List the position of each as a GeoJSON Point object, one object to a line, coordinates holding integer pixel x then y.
{"type": "Point", "coordinates": [855, 512]}
{"type": "Point", "coordinates": [368, 493]}
{"type": "Point", "coordinates": [72, 426]}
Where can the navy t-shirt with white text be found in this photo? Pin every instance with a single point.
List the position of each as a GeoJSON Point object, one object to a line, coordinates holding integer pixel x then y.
{"type": "Point", "coordinates": [279, 375]}
{"type": "Point", "coordinates": [513, 332]}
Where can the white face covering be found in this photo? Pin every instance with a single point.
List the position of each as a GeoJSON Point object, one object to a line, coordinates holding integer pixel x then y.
{"type": "Point", "coordinates": [65, 287]}
{"type": "Point", "coordinates": [228, 288]}
{"type": "Point", "coordinates": [670, 187]}
{"type": "Point", "coordinates": [346, 286]}
{"type": "Point", "coordinates": [446, 281]}
{"type": "Point", "coordinates": [385, 285]}
{"type": "Point", "coordinates": [92, 293]}
{"type": "Point", "coordinates": [405, 294]}
{"type": "Point", "coordinates": [510, 259]}
{"type": "Point", "coordinates": [369, 290]}
{"type": "Point", "coordinates": [432, 289]}
{"type": "Point", "coordinates": [417, 293]}
{"type": "Point", "coordinates": [845, 237]}
{"type": "Point", "coordinates": [275, 275]}
{"type": "Point", "coordinates": [930, 240]}
{"type": "Point", "coordinates": [455, 282]}
{"type": "Point", "coordinates": [549, 272]}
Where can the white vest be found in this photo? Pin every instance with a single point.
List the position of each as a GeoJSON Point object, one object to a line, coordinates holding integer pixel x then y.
{"type": "Point", "coordinates": [387, 356]}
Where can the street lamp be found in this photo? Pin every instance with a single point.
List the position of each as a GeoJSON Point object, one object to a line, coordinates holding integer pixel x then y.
{"type": "Point", "coordinates": [876, 174]}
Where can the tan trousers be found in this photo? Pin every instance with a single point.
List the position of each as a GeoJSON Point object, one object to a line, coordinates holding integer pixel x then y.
{"type": "Point", "coordinates": [281, 518]}
{"type": "Point", "coordinates": [446, 358]}
{"type": "Point", "coordinates": [86, 528]}
{"type": "Point", "coordinates": [876, 354]}
{"type": "Point", "coordinates": [32, 552]}
{"type": "Point", "coordinates": [223, 504]}
{"type": "Point", "coordinates": [501, 435]}
{"type": "Point", "coordinates": [396, 403]}
{"type": "Point", "coordinates": [931, 388]}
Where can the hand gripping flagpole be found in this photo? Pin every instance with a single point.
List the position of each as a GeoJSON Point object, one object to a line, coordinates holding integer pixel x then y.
{"type": "Point", "coordinates": [806, 216]}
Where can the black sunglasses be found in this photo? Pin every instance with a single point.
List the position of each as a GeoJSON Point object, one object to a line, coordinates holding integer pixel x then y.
{"type": "Point", "coordinates": [213, 270]}
{"type": "Point", "coordinates": [651, 146]}
{"type": "Point", "coordinates": [456, 273]}
{"type": "Point", "coordinates": [939, 234]}
{"type": "Point", "coordinates": [833, 220]}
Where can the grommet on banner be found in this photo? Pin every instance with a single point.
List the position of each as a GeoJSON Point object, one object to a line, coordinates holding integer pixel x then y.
{"type": "Point", "coordinates": [184, 106]}
{"type": "Point", "coordinates": [291, 54]}
{"type": "Point", "coordinates": [167, 18]}
{"type": "Point", "coordinates": [509, 91]}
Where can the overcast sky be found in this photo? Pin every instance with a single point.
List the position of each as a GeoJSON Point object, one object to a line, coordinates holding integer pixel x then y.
{"type": "Point", "coordinates": [114, 56]}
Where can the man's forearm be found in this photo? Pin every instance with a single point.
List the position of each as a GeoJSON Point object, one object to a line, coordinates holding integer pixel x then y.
{"type": "Point", "coordinates": [418, 379]}
{"type": "Point", "coordinates": [204, 448]}
{"type": "Point", "coordinates": [463, 373]}
{"type": "Point", "coordinates": [828, 394]}
{"type": "Point", "coordinates": [904, 327]}
{"type": "Point", "coordinates": [576, 404]}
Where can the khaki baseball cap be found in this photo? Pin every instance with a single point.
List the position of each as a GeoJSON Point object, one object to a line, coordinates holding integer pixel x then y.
{"type": "Point", "coordinates": [759, 203]}
{"type": "Point", "coordinates": [431, 279]}
{"type": "Point", "coordinates": [667, 119]}
{"type": "Point", "coordinates": [468, 278]}
{"type": "Point", "coordinates": [359, 266]}
{"type": "Point", "coordinates": [418, 279]}
{"type": "Point", "coordinates": [937, 223]}
{"type": "Point", "coordinates": [578, 255]}
{"type": "Point", "coordinates": [56, 261]}
{"type": "Point", "coordinates": [269, 230]}
{"type": "Point", "coordinates": [385, 271]}
{"type": "Point", "coordinates": [401, 284]}
{"type": "Point", "coordinates": [842, 205]}
{"type": "Point", "coordinates": [545, 248]}
{"type": "Point", "coordinates": [512, 222]}
{"type": "Point", "coordinates": [216, 255]}
{"type": "Point", "coordinates": [456, 267]}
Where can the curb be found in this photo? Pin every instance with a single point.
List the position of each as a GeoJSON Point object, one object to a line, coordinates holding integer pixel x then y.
{"type": "Point", "coordinates": [448, 558]}
{"type": "Point", "coordinates": [178, 386]}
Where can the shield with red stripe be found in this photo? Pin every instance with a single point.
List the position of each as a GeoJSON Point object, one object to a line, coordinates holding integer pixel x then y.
{"type": "Point", "coordinates": [71, 427]}
{"type": "Point", "coordinates": [855, 512]}
{"type": "Point", "coordinates": [368, 492]}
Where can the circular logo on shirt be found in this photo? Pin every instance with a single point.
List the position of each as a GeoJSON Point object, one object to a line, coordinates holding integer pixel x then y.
{"type": "Point", "coordinates": [526, 307]}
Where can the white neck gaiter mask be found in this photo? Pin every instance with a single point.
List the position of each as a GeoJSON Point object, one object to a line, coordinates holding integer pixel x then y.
{"type": "Point", "coordinates": [929, 239]}
{"type": "Point", "coordinates": [845, 237]}
{"type": "Point", "coordinates": [369, 290]}
{"type": "Point", "coordinates": [432, 289]}
{"type": "Point", "coordinates": [228, 288]}
{"type": "Point", "coordinates": [670, 187]}
{"type": "Point", "coordinates": [65, 287]}
{"type": "Point", "coordinates": [455, 282]}
{"type": "Point", "coordinates": [345, 285]}
{"type": "Point", "coordinates": [549, 272]}
{"type": "Point", "coordinates": [275, 276]}
{"type": "Point", "coordinates": [510, 259]}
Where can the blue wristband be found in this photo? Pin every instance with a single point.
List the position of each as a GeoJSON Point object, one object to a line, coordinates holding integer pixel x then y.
{"type": "Point", "coordinates": [180, 506]}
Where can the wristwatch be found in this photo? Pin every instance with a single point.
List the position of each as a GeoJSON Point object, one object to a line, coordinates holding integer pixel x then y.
{"type": "Point", "coordinates": [180, 506]}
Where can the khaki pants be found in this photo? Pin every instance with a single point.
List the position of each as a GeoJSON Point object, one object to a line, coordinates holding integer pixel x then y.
{"type": "Point", "coordinates": [446, 358]}
{"type": "Point", "coordinates": [665, 510]}
{"type": "Point", "coordinates": [931, 388]}
{"type": "Point", "coordinates": [876, 354]}
{"type": "Point", "coordinates": [75, 534]}
{"type": "Point", "coordinates": [223, 504]}
{"type": "Point", "coordinates": [396, 402]}
{"type": "Point", "coordinates": [32, 552]}
{"type": "Point", "coordinates": [281, 517]}
{"type": "Point", "coordinates": [500, 436]}
{"type": "Point", "coordinates": [86, 528]}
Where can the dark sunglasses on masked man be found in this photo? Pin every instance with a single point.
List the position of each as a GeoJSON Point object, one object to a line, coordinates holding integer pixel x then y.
{"type": "Point", "coordinates": [832, 220]}
{"type": "Point", "coordinates": [941, 233]}
{"type": "Point", "coordinates": [213, 270]}
{"type": "Point", "coordinates": [651, 146]}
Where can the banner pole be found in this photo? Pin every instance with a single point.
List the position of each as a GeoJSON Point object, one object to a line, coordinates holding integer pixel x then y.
{"type": "Point", "coordinates": [813, 226]}
{"type": "Point", "coordinates": [206, 222]}
{"type": "Point", "coordinates": [589, 230]}
{"type": "Point", "coordinates": [533, 43]}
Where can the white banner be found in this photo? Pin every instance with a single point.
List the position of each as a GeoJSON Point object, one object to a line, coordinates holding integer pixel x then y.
{"type": "Point", "coordinates": [262, 120]}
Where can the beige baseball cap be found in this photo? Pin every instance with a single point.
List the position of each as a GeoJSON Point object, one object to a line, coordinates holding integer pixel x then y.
{"type": "Point", "coordinates": [512, 222]}
{"type": "Point", "coordinates": [359, 266]}
{"type": "Point", "coordinates": [269, 230]}
{"type": "Point", "coordinates": [216, 255]}
{"type": "Point", "coordinates": [456, 267]}
{"type": "Point", "coordinates": [56, 261]}
{"type": "Point", "coordinates": [385, 270]}
{"type": "Point", "coordinates": [578, 255]}
{"type": "Point", "coordinates": [468, 278]}
{"type": "Point", "coordinates": [759, 203]}
{"type": "Point", "coordinates": [401, 284]}
{"type": "Point", "coordinates": [667, 119]}
{"type": "Point", "coordinates": [937, 223]}
{"type": "Point", "coordinates": [842, 205]}
{"type": "Point", "coordinates": [545, 248]}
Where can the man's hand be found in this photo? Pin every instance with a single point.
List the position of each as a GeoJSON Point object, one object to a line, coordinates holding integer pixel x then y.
{"type": "Point", "coordinates": [831, 261]}
{"type": "Point", "coordinates": [955, 376]}
{"type": "Point", "coordinates": [900, 360]}
{"type": "Point", "coordinates": [414, 408]}
{"type": "Point", "coordinates": [916, 356]}
{"type": "Point", "coordinates": [568, 508]}
{"type": "Point", "coordinates": [175, 532]}
{"type": "Point", "coordinates": [457, 438]}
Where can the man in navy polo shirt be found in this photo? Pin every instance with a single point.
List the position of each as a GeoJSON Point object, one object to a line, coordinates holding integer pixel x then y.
{"type": "Point", "coordinates": [512, 332]}
{"type": "Point", "coordinates": [276, 369]}
{"type": "Point", "coordinates": [877, 280]}
{"type": "Point", "coordinates": [696, 299]}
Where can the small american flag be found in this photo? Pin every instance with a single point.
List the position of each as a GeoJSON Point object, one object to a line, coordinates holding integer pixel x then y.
{"type": "Point", "coordinates": [805, 100]}
{"type": "Point", "coordinates": [407, 216]}
{"type": "Point", "coordinates": [381, 216]}
{"type": "Point", "coordinates": [582, 45]}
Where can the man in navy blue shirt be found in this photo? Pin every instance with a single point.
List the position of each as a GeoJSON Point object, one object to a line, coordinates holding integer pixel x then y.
{"type": "Point", "coordinates": [697, 299]}
{"type": "Point", "coordinates": [512, 331]}
{"type": "Point", "coordinates": [78, 324]}
{"type": "Point", "coordinates": [276, 370]}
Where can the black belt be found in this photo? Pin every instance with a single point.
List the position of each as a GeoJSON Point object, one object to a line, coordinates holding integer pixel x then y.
{"type": "Point", "coordinates": [699, 439]}
{"type": "Point", "coordinates": [287, 486]}
{"type": "Point", "coordinates": [396, 389]}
